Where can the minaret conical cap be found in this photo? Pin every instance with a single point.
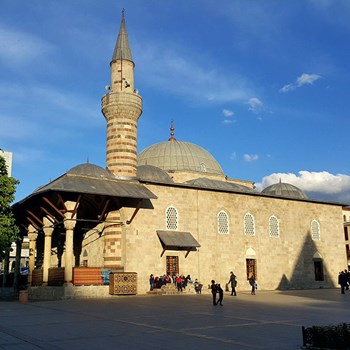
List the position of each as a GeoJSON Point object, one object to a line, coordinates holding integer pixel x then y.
{"type": "Point", "coordinates": [122, 48]}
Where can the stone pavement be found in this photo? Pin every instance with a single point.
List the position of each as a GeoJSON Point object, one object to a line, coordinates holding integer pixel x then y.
{"type": "Point", "coordinates": [268, 320]}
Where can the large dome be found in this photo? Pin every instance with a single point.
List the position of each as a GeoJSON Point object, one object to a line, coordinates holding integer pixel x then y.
{"type": "Point", "coordinates": [283, 189]}
{"type": "Point", "coordinates": [176, 155]}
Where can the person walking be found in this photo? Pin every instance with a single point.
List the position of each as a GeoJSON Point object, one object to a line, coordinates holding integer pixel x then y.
{"type": "Point", "coordinates": [252, 282]}
{"type": "Point", "coordinates": [347, 279]}
{"type": "Point", "coordinates": [213, 291]}
{"type": "Point", "coordinates": [221, 294]}
{"type": "Point", "coordinates": [233, 282]}
{"type": "Point", "coordinates": [342, 281]}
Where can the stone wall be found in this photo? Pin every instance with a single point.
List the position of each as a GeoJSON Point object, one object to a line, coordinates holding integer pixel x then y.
{"type": "Point", "coordinates": [284, 262]}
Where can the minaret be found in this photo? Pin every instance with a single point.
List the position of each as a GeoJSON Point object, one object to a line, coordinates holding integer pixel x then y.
{"type": "Point", "coordinates": [122, 107]}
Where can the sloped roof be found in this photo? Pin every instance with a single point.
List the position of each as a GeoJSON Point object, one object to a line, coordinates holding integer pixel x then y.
{"type": "Point", "coordinates": [92, 179]}
{"type": "Point", "coordinates": [219, 185]}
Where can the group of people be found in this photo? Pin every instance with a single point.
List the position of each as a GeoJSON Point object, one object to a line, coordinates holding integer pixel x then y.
{"type": "Point", "coordinates": [158, 282]}
{"type": "Point", "coordinates": [344, 280]}
{"type": "Point", "coordinates": [232, 282]}
{"type": "Point", "coordinates": [180, 281]}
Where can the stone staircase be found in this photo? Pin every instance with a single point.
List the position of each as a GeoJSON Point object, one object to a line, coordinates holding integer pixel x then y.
{"type": "Point", "coordinates": [171, 289]}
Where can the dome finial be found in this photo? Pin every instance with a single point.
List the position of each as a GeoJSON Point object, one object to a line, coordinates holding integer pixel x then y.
{"type": "Point", "coordinates": [123, 11]}
{"type": "Point", "coordinates": [172, 129]}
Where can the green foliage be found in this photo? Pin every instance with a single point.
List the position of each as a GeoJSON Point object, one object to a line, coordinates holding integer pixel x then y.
{"type": "Point", "coordinates": [8, 229]}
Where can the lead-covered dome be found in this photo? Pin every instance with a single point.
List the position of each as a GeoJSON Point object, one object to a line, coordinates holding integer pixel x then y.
{"type": "Point", "coordinates": [92, 170]}
{"type": "Point", "coordinates": [283, 189]}
{"type": "Point", "coordinates": [152, 173]}
{"type": "Point", "coordinates": [176, 155]}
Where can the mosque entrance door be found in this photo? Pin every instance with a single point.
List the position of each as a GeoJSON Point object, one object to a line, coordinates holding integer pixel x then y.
{"type": "Point", "coordinates": [251, 268]}
{"type": "Point", "coordinates": [172, 265]}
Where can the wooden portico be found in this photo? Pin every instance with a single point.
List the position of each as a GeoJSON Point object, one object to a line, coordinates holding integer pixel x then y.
{"type": "Point", "coordinates": [56, 217]}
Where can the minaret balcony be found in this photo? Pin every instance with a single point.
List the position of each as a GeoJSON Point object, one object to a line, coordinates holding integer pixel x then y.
{"type": "Point", "coordinates": [115, 101]}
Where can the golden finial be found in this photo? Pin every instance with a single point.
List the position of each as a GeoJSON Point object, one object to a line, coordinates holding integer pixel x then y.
{"type": "Point", "coordinates": [172, 129]}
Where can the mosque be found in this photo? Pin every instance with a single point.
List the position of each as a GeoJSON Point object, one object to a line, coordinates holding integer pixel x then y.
{"type": "Point", "coordinates": [170, 210]}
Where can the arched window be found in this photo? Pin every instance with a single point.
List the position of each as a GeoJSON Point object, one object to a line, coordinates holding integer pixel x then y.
{"type": "Point", "coordinates": [315, 230]}
{"type": "Point", "coordinates": [172, 218]}
{"type": "Point", "coordinates": [223, 223]}
{"type": "Point", "coordinates": [274, 226]}
{"type": "Point", "coordinates": [249, 225]}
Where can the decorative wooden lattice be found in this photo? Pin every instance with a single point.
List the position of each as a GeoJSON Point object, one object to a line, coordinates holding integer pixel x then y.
{"type": "Point", "coordinates": [122, 283]}
{"type": "Point", "coordinates": [327, 337]}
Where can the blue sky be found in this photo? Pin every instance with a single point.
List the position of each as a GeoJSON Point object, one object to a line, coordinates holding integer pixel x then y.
{"type": "Point", "coordinates": [262, 85]}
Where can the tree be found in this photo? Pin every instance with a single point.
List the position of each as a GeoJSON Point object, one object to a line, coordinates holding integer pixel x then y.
{"type": "Point", "coordinates": [9, 231]}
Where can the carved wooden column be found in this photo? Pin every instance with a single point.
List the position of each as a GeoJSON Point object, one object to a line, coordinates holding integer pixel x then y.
{"type": "Point", "coordinates": [48, 229]}
{"type": "Point", "coordinates": [69, 224]}
{"type": "Point", "coordinates": [32, 235]}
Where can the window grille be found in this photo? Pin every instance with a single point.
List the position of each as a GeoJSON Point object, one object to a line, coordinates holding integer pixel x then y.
{"type": "Point", "coordinates": [315, 230]}
{"type": "Point", "coordinates": [223, 223]}
{"type": "Point", "coordinates": [249, 225]}
{"type": "Point", "coordinates": [274, 226]}
{"type": "Point", "coordinates": [171, 218]}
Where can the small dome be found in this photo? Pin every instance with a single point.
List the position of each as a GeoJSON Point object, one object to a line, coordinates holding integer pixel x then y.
{"type": "Point", "coordinates": [91, 170]}
{"type": "Point", "coordinates": [176, 155]}
{"type": "Point", "coordinates": [283, 189]}
{"type": "Point", "coordinates": [152, 173]}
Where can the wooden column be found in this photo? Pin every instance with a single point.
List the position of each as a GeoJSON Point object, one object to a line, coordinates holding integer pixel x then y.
{"type": "Point", "coordinates": [48, 229]}
{"type": "Point", "coordinates": [32, 235]}
{"type": "Point", "coordinates": [69, 224]}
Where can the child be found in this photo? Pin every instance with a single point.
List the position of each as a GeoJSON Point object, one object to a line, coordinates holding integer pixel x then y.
{"type": "Point", "coordinates": [221, 294]}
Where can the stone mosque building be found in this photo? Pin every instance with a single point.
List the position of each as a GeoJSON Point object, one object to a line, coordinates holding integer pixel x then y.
{"type": "Point", "coordinates": [170, 210]}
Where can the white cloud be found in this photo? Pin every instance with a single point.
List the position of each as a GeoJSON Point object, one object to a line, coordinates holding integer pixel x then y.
{"type": "Point", "coordinates": [304, 79]}
{"type": "Point", "coordinates": [19, 48]}
{"type": "Point", "coordinates": [255, 105]}
{"type": "Point", "coordinates": [233, 156]}
{"type": "Point", "coordinates": [317, 185]}
{"type": "Point", "coordinates": [227, 113]}
{"type": "Point", "coordinates": [250, 157]}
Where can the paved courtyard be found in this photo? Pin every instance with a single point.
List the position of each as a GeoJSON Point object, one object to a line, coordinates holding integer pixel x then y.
{"type": "Point", "coordinates": [268, 320]}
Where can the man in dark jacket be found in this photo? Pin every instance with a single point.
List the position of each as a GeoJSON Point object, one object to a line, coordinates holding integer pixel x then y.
{"type": "Point", "coordinates": [213, 291]}
{"type": "Point", "coordinates": [233, 282]}
{"type": "Point", "coordinates": [342, 281]}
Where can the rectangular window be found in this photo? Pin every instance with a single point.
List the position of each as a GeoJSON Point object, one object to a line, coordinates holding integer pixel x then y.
{"type": "Point", "coordinates": [172, 265]}
{"type": "Point", "coordinates": [346, 234]}
{"type": "Point", "coordinates": [251, 268]}
{"type": "Point", "coordinates": [347, 251]}
{"type": "Point", "coordinates": [318, 265]}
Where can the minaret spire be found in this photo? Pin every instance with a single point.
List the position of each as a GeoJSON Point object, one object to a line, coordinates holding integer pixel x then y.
{"type": "Point", "coordinates": [122, 48]}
